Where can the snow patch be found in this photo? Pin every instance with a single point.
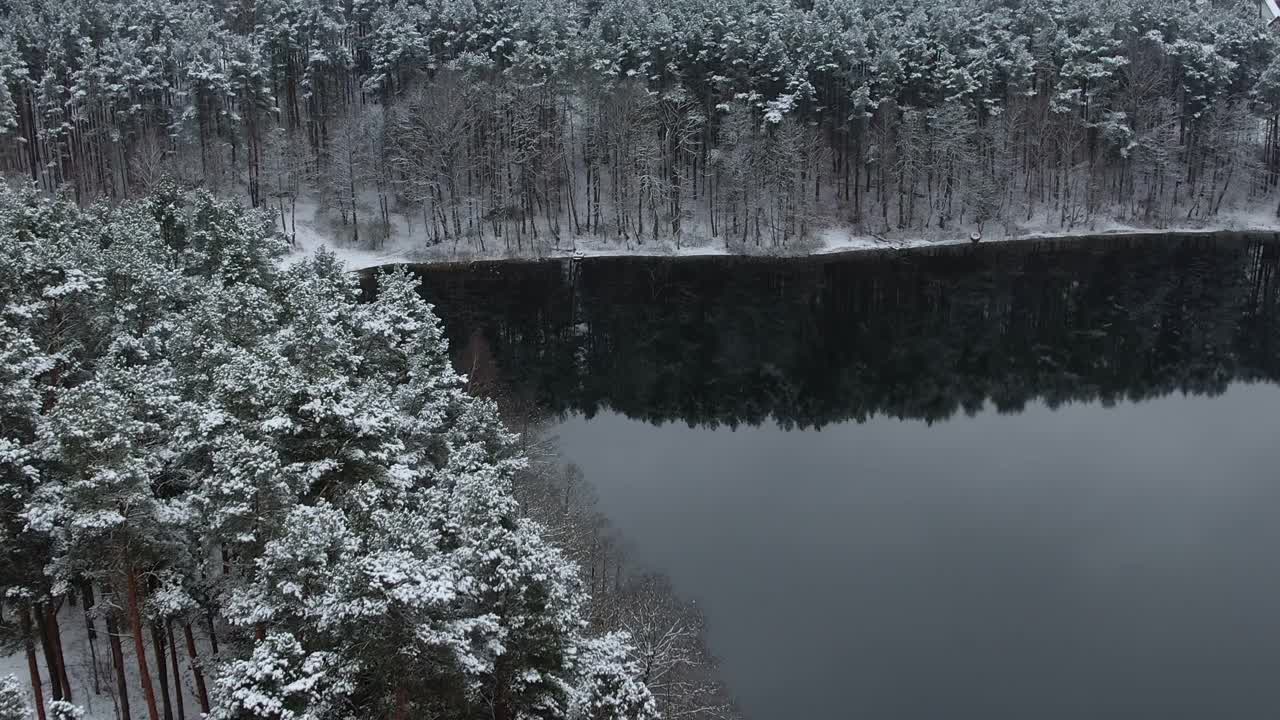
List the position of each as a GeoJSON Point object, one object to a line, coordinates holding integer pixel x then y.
{"type": "Point", "coordinates": [834, 238]}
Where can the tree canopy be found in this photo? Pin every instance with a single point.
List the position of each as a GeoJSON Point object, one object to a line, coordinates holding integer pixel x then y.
{"type": "Point", "coordinates": [196, 432]}
{"type": "Point", "coordinates": [755, 121]}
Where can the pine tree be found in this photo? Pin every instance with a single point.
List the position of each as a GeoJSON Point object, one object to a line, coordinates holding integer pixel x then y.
{"type": "Point", "coordinates": [217, 436]}
{"type": "Point", "coordinates": [13, 701]}
{"type": "Point", "coordinates": [281, 681]}
{"type": "Point", "coordinates": [62, 710]}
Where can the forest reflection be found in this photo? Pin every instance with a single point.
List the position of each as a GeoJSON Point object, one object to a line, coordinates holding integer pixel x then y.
{"type": "Point", "coordinates": [919, 335]}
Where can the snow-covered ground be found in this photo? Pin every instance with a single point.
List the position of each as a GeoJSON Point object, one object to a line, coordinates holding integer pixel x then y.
{"type": "Point", "coordinates": [407, 244]}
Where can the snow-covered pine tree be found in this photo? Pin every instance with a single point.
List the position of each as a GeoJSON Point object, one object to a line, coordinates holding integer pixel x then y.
{"type": "Point", "coordinates": [413, 562]}
{"type": "Point", "coordinates": [216, 436]}
{"type": "Point", "coordinates": [282, 681]}
{"type": "Point", "coordinates": [13, 700]}
{"type": "Point", "coordinates": [106, 445]}
{"type": "Point", "coordinates": [63, 710]}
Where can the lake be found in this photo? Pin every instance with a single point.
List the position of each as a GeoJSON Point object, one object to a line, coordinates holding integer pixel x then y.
{"type": "Point", "coordinates": [1033, 480]}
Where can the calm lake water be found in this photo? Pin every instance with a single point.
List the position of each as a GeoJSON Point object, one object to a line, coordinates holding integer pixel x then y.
{"type": "Point", "coordinates": [1021, 482]}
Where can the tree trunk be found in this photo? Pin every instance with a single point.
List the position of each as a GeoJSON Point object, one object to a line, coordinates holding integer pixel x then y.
{"type": "Point", "coordinates": [55, 634]}
{"type": "Point", "coordinates": [355, 219]}
{"type": "Point", "coordinates": [117, 659]}
{"type": "Point", "coordinates": [157, 645]}
{"type": "Point", "coordinates": [91, 630]}
{"type": "Point", "coordinates": [46, 645]}
{"type": "Point", "coordinates": [213, 631]}
{"type": "Point", "coordinates": [177, 671]}
{"type": "Point", "coordinates": [33, 668]}
{"type": "Point", "coordinates": [135, 623]}
{"type": "Point", "coordinates": [201, 694]}
{"type": "Point", "coordinates": [401, 710]}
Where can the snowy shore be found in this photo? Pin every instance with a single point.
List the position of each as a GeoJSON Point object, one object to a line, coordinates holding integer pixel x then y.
{"type": "Point", "coordinates": [830, 241]}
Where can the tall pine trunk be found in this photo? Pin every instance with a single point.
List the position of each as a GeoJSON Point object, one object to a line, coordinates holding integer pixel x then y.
{"type": "Point", "coordinates": [201, 693]}
{"type": "Point", "coordinates": [50, 656]}
{"type": "Point", "coordinates": [177, 671]}
{"type": "Point", "coordinates": [135, 623]}
{"type": "Point", "coordinates": [401, 710]}
{"type": "Point", "coordinates": [157, 645]}
{"type": "Point", "coordinates": [55, 634]}
{"type": "Point", "coordinates": [117, 660]}
{"type": "Point", "coordinates": [92, 632]}
{"type": "Point", "coordinates": [213, 630]}
{"type": "Point", "coordinates": [33, 668]}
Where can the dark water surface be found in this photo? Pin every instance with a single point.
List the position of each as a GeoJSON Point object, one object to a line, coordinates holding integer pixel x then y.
{"type": "Point", "coordinates": [1024, 482]}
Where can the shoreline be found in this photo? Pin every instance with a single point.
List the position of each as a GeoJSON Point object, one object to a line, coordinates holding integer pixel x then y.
{"type": "Point", "coordinates": [860, 247]}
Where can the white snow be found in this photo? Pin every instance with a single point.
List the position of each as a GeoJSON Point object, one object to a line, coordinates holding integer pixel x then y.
{"type": "Point", "coordinates": [1273, 8]}
{"type": "Point", "coordinates": [409, 247]}
{"type": "Point", "coordinates": [309, 236]}
{"type": "Point", "coordinates": [838, 240]}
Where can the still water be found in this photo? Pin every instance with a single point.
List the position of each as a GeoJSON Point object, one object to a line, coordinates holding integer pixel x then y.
{"type": "Point", "coordinates": [1025, 482]}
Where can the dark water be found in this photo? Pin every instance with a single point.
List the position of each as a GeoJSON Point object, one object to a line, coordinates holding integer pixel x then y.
{"type": "Point", "coordinates": [1027, 482]}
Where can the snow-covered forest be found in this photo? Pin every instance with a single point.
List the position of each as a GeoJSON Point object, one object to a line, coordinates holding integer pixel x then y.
{"type": "Point", "coordinates": [253, 494]}
{"type": "Point", "coordinates": [505, 125]}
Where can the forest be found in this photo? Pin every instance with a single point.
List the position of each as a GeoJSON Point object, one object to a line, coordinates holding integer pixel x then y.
{"type": "Point", "coordinates": [258, 490]}
{"type": "Point", "coordinates": [257, 496]}
{"type": "Point", "coordinates": [513, 125]}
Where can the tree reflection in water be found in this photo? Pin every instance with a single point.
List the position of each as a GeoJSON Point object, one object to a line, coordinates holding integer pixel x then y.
{"type": "Point", "coordinates": [922, 335]}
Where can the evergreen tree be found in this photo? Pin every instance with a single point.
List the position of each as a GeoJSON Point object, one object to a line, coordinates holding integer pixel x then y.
{"type": "Point", "coordinates": [207, 434]}
{"type": "Point", "coordinates": [13, 701]}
